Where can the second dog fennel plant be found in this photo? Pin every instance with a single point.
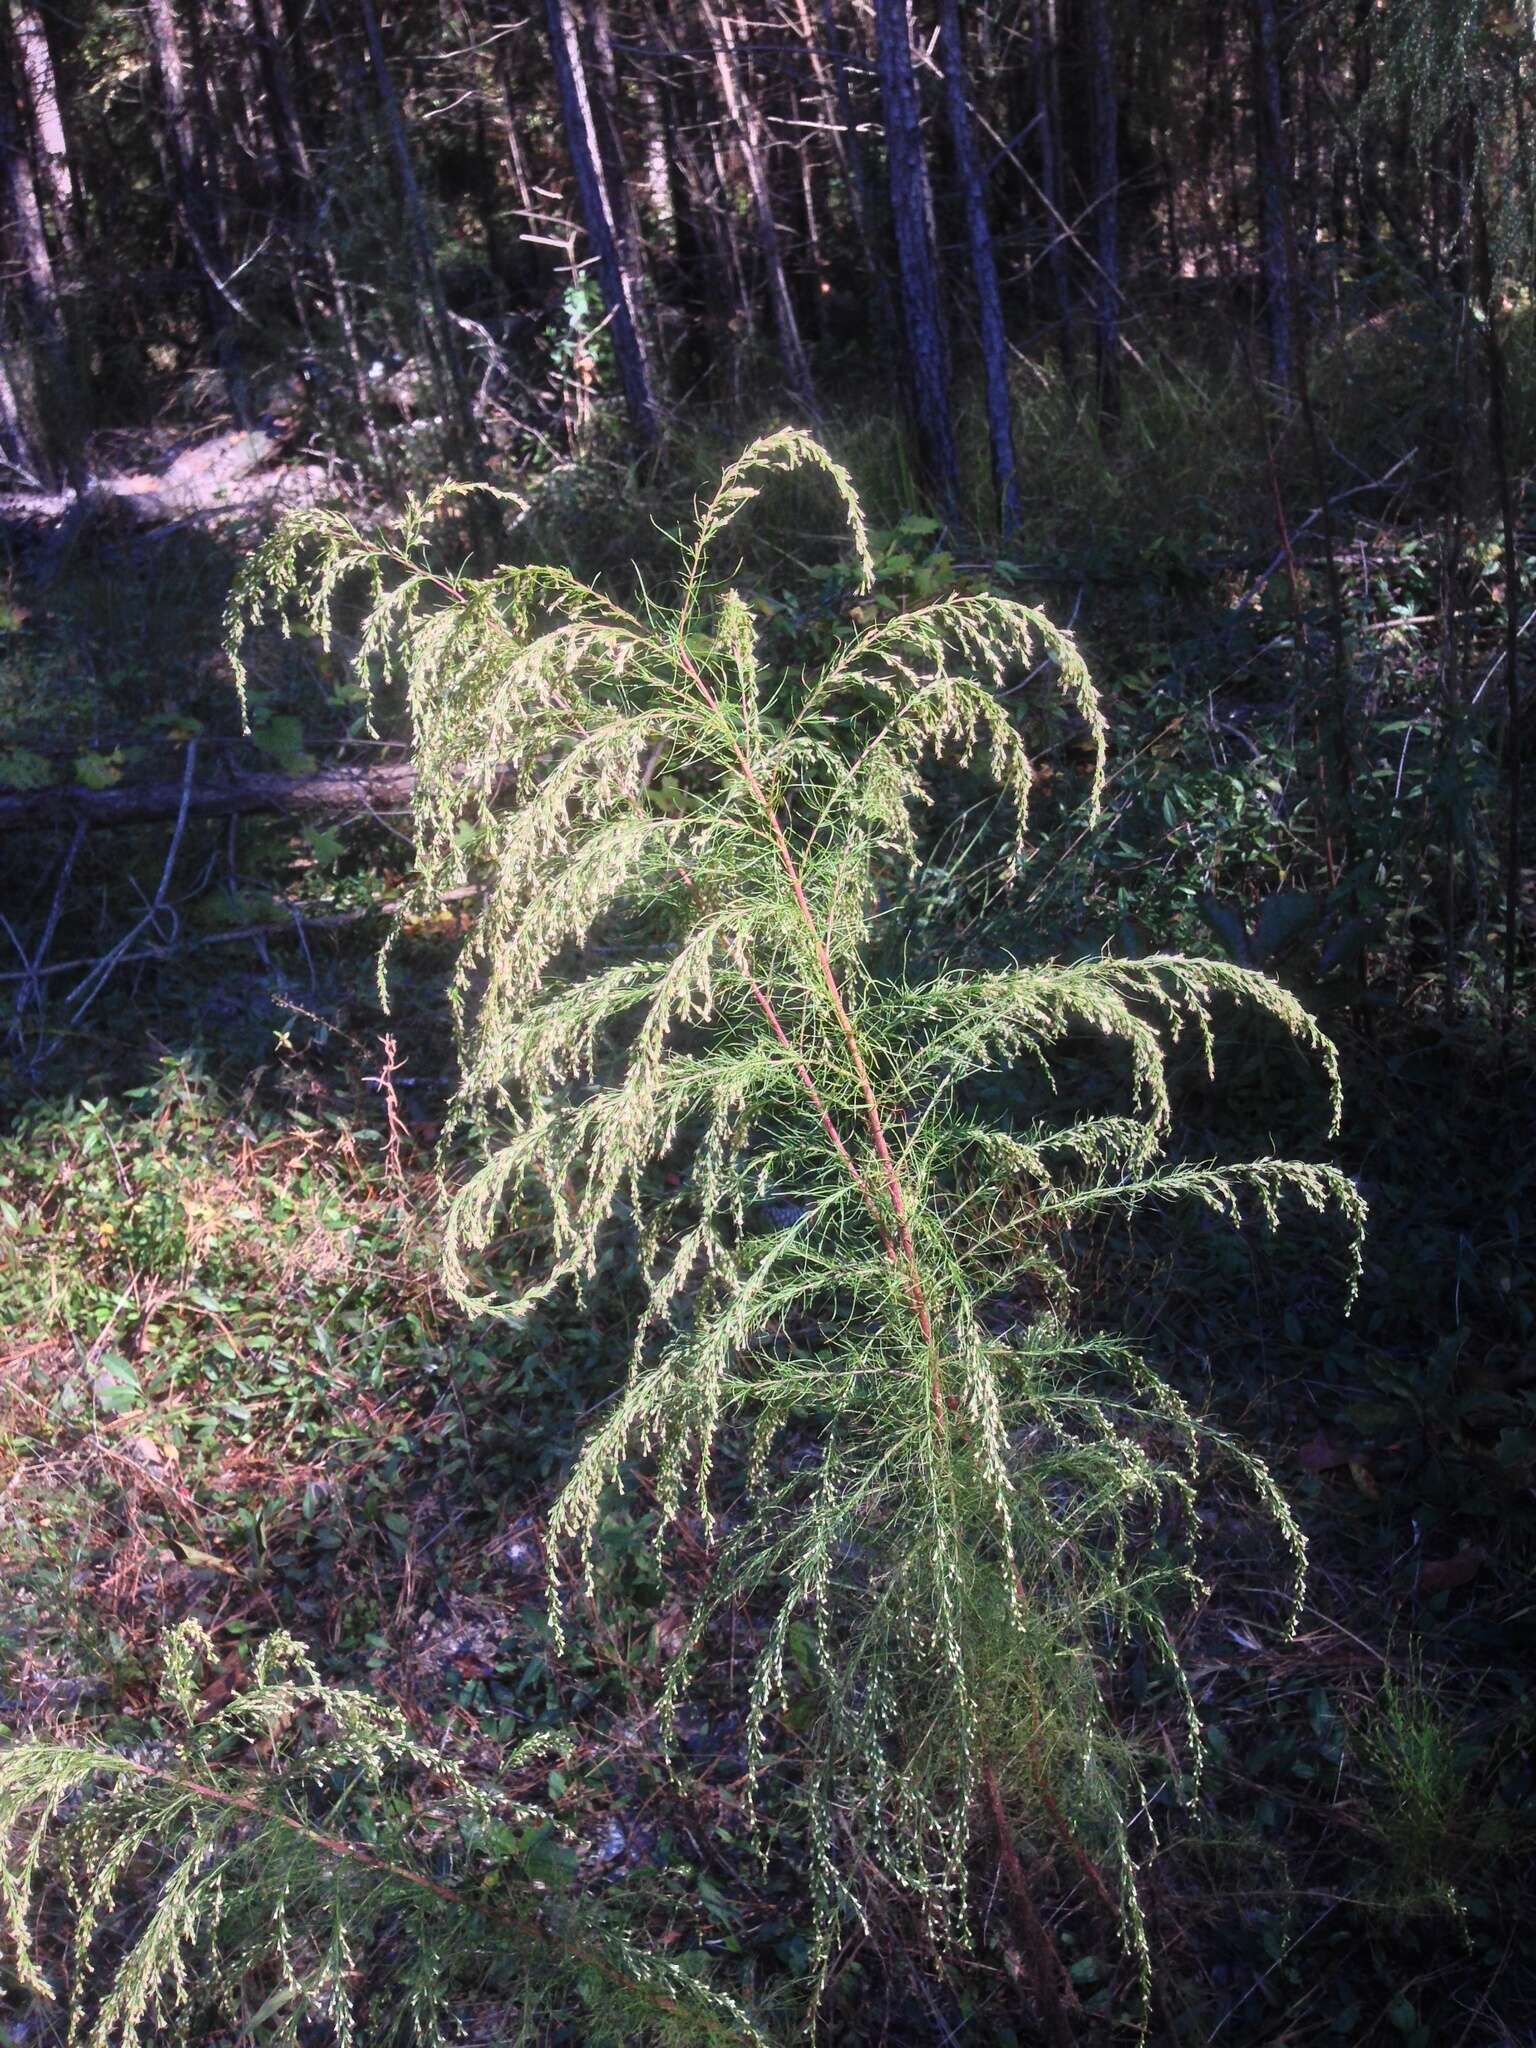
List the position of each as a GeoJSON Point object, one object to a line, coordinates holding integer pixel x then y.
{"type": "Point", "coordinates": [943, 1482]}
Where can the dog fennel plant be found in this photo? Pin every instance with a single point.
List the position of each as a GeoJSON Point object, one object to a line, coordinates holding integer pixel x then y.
{"type": "Point", "coordinates": [831, 1264]}
{"type": "Point", "coordinates": [305, 1843]}
{"type": "Point", "coordinates": [670, 1014]}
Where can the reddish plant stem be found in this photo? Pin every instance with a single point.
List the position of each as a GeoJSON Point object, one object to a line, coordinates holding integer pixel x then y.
{"type": "Point", "coordinates": [804, 1076]}
{"type": "Point", "coordinates": [1045, 1965]}
{"type": "Point", "coordinates": [738, 952]}
{"type": "Point", "coordinates": [905, 1243]}
{"type": "Point", "coordinates": [873, 1119]}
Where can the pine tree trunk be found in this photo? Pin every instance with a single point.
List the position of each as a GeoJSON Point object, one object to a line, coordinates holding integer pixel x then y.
{"type": "Point", "coordinates": [198, 219]}
{"type": "Point", "coordinates": [603, 92]}
{"type": "Point", "coordinates": [282, 112]}
{"type": "Point", "coordinates": [52, 146]}
{"type": "Point", "coordinates": [16, 449]}
{"type": "Point", "coordinates": [751, 139]}
{"type": "Point", "coordinates": [210, 131]}
{"type": "Point", "coordinates": [247, 83]}
{"type": "Point", "coordinates": [292, 149]}
{"type": "Point", "coordinates": [989, 299]}
{"type": "Point", "coordinates": [1105, 105]}
{"type": "Point", "coordinates": [1046, 58]}
{"type": "Point", "coordinates": [1274, 195]}
{"type": "Point", "coordinates": [621, 286]}
{"type": "Point", "coordinates": [512, 118]}
{"type": "Point", "coordinates": [458, 401]}
{"type": "Point", "coordinates": [843, 121]}
{"type": "Point", "coordinates": [707, 249]}
{"type": "Point", "coordinates": [54, 390]}
{"type": "Point", "coordinates": [1498, 443]}
{"type": "Point", "coordinates": [917, 263]}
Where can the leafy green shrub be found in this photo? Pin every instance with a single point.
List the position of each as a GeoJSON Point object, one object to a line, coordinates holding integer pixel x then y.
{"type": "Point", "coordinates": [938, 1495]}
{"type": "Point", "coordinates": [295, 1831]}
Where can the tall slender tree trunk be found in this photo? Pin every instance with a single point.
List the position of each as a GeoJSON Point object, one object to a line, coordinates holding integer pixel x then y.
{"type": "Point", "coordinates": [807, 186]}
{"type": "Point", "coordinates": [746, 118]}
{"type": "Point", "coordinates": [53, 161]}
{"type": "Point", "coordinates": [708, 254]}
{"type": "Point", "coordinates": [922, 308]}
{"type": "Point", "coordinates": [1274, 195]}
{"type": "Point", "coordinates": [989, 298]}
{"type": "Point", "coordinates": [1105, 105]}
{"type": "Point", "coordinates": [287, 128]}
{"type": "Point", "coordinates": [1046, 63]}
{"type": "Point", "coordinates": [861, 189]}
{"type": "Point", "coordinates": [246, 83]}
{"type": "Point", "coordinates": [658, 168]}
{"type": "Point", "coordinates": [16, 447]}
{"type": "Point", "coordinates": [620, 283]}
{"type": "Point", "coordinates": [603, 91]}
{"type": "Point", "coordinates": [281, 108]}
{"type": "Point", "coordinates": [54, 391]}
{"type": "Point", "coordinates": [198, 220]}
{"type": "Point", "coordinates": [210, 130]}
{"type": "Point", "coordinates": [1498, 444]}
{"type": "Point", "coordinates": [512, 118]}
{"type": "Point", "coordinates": [458, 401]}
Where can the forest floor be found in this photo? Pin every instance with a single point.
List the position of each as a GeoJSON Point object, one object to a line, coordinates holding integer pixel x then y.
{"type": "Point", "coordinates": [231, 1384]}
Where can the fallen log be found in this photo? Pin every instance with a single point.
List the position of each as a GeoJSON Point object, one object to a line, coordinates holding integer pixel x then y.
{"type": "Point", "coordinates": [345, 786]}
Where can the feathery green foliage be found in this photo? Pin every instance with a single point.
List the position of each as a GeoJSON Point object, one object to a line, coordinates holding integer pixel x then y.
{"type": "Point", "coordinates": [670, 1010]}
{"type": "Point", "coordinates": [297, 1856]}
{"type": "Point", "coordinates": [1464, 73]}
{"type": "Point", "coordinates": [947, 1495]}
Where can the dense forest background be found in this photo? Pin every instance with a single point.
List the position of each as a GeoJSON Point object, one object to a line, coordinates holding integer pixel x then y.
{"type": "Point", "coordinates": [1205, 325]}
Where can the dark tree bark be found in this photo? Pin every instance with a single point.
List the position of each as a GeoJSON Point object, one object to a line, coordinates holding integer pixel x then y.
{"type": "Point", "coordinates": [54, 448]}
{"type": "Point", "coordinates": [989, 298]}
{"type": "Point", "coordinates": [709, 256]}
{"type": "Point", "coordinates": [285, 122]}
{"type": "Point", "coordinates": [922, 309]}
{"type": "Point", "coordinates": [1498, 443]}
{"type": "Point", "coordinates": [1046, 62]}
{"type": "Point", "coordinates": [513, 118]}
{"type": "Point", "coordinates": [51, 143]}
{"type": "Point", "coordinates": [282, 111]}
{"type": "Point", "coordinates": [603, 92]}
{"type": "Point", "coordinates": [198, 217]}
{"type": "Point", "coordinates": [212, 131]}
{"type": "Point", "coordinates": [1274, 195]}
{"type": "Point", "coordinates": [843, 122]}
{"type": "Point", "coordinates": [1105, 123]}
{"type": "Point", "coordinates": [458, 402]}
{"type": "Point", "coordinates": [751, 138]}
{"type": "Point", "coordinates": [621, 285]}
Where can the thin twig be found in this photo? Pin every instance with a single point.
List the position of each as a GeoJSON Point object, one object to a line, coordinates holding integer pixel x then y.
{"type": "Point", "coordinates": [85, 992]}
{"type": "Point", "coordinates": [33, 991]}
